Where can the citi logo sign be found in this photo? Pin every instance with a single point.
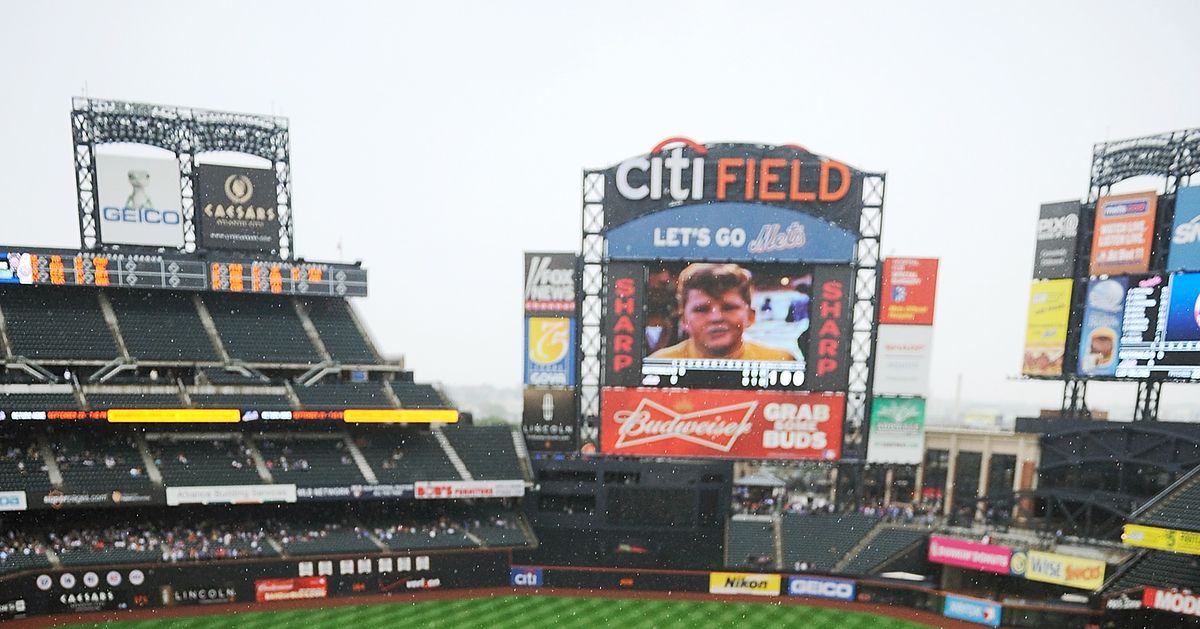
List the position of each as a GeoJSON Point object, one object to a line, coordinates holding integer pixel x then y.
{"type": "Point", "coordinates": [526, 577]}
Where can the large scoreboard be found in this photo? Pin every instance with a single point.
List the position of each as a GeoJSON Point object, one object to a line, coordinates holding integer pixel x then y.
{"type": "Point", "coordinates": [64, 267]}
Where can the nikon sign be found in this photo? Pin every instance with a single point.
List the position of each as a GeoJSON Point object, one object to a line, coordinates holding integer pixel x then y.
{"type": "Point", "coordinates": [743, 583]}
{"type": "Point", "coordinates": [237, 208]}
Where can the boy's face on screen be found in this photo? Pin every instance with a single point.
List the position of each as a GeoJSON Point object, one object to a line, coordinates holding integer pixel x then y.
{"type": "Point", "coordinates": [716, 324]}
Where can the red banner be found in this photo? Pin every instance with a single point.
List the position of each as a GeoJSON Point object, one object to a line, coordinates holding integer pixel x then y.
{"type": "Point", "coordinates": [909, 289]}
{"type": "Point", "coordinates": [722, 424]}
{"type": "Point", "coordinates": [1171, 601]}
{"type": "Point", "coordinates": [290, 589]}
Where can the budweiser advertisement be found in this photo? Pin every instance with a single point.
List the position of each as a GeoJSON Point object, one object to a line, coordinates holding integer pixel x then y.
{"type": "Point", "coordinates": [717, 423]}
{"type": "Point", "coordinates": [292, 589]}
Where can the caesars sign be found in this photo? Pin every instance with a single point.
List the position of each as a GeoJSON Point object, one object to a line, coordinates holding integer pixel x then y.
{"type": "Point", "coordinates": [237, 208]}
{"type": "Point", "coordinates": [140, 201]}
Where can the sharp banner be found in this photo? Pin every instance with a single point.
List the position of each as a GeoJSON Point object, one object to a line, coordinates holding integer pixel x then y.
{"type": "Point", "coordinates": [238, 208]}
{"type": "Point", "coordinates": [1184, 254]}
{"type": "Point", "coordinates": [909, 291]}
{"type": "Point", "coordinates": [1046, 327]}
{"type": "Point", "coordinates": [139, 201]}
{"type": "Point", "coordinates": [1124, 233]}
{"type": "Point", "coordinates": [897, 431]}
{"type": "Point", "coordinates": [721, 424]}
{"type": "Point", "coordinates": [1057, 235]}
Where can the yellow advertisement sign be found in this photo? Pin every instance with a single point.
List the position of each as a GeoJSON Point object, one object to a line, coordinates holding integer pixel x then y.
{"type": "Point", "coordinates": [1161, 539]}
{"type": "Point", "coordinates": [400, 416]}
{"type": "Point", "coordinates": [1046, 327]}
{"type": "Point", "coordinates": [1075, 572]}
{"type": "Point", "coordinates": [174, 415]}
{"type": "Point", "coordinates": [743, 583]}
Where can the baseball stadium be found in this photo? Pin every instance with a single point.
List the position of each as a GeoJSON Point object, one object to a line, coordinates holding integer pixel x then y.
{"type": "Point", "coordinates": [723, 415]}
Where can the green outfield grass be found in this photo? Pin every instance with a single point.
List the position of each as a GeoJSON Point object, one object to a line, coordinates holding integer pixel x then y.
{"type": "Point", "coordinates": [525, 612]}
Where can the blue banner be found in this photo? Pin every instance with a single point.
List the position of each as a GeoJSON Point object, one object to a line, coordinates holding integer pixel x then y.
{"type": "Point", "coordinates": [1102, 318]}
{"type": "Point", "coordinates": [972, 610]}
{"type": "Point", "coordinates": [742, 232]}
{"type": "Point", "coordinates": [525, 577]}
{"type": "Point", "coordinates": [550, 351]}
{"type": "Point", "coordinates": [837, 589]}
{"type": "Point", "coordinates": [1185, 232]}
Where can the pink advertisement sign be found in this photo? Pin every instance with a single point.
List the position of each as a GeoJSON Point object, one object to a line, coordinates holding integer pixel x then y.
{"type": "Point", "coordinates": [972, 555]}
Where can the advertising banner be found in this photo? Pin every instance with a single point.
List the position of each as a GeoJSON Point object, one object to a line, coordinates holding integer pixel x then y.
{"type": "Point", "coordinates": [1186, 542]}
{"type": "Point", "coordinates": [454, 490]}
{"type": "Point", "coordinates": [742, 232]}
{"type": "Point", "coordinates": [139, 201]}
{"type": "Point", "coordinates": [909, 291]}
{"type": "Point", "coordinates": [237, 208]}
{"type": "Point", "coordinates": [970, 555]}
{"type": "Point", "coordinates": [743, 583]}
{"type": "Point", "coordinates": [831, 323]}
{"type": "Point", "coordinates": [679, 172]}
{"type": "Point", "coordinates": [1057, 235]}
{"type": "Point", "coordinates": [897, 431]}
{"type": "Point", "coordinates": [231, 494]}
{"type": "Point", "coordinates": [521, 576]}
{"type": "Point", "coordinates": [1102, 317]}
{"type": "Point", "coordinates": [624, 324]}
{"type": "Point", "coordinates": [57, 499]}
{"type": "Point", "coordinates": [1075, 572]}
{"type": "Point", "coordinates": [818, 587]}
{"type": "Point", "coordinates": [1046, 327]}
{"type": "Point", "coordinates": [1171, 601]}
{"type": "Point", "coordinates": [1123, 234]}
{"type": "Point", "coordinates": [549, 283]}
{"type": "Point", "coordinates": [972, 610]}
{"type": "Point", "coordinates": [1183, 309]}
{"type": "Point", "coordinates": [356, 492]}
{"type": "Point", "coordinates": [902, 358]}
{"type": "Point", "coordinates": [13, 501]}
{"type": "Point", "coordinates": [550, 351]}
{"type": "Point", "coordinates": [548, 421]}
{"type": "Point", "coordinates": [730, 424]}
{"type": "Point", "coordinates": [1184, 254]}
{"type": "Point", "coordinates": [291, 589]}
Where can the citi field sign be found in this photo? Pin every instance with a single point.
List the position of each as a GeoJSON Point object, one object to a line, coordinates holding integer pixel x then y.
{"type": "Point", "coordinates": [685, 200]}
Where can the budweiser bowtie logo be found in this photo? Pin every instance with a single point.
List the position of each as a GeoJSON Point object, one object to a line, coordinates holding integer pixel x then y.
{"type": "Point", "coordinates": [715, 428]}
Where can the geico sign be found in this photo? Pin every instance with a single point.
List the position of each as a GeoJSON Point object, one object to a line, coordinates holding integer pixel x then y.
{"type": "Point", "coordinates": [1177, 602]}
{"type": "Point", "coordinates": [142, 215]}
{"type": "Point", "coordinates": [821, 588]}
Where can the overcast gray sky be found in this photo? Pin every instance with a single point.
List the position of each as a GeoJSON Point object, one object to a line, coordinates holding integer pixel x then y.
{"type": "Point", "coordinates": [437, 140]}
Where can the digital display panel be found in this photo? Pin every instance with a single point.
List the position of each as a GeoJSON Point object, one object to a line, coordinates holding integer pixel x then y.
{"type": "Point", "coordinates": [177, 272]}
{"type": "Point", "coordinates": [1160, 334]}
{"type": "Point", "coordinates": [729, 326]}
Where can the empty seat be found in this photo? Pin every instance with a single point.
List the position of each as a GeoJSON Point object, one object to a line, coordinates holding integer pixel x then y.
{"type": "Point", "coordinates": [261, 328]}
{"type": "Point", "coordinates": [258, 401]}
{"type": "Point", "coordinates": [161, 325]}
{"type": "Point", "coordinates": [414, 395]}
{"type": "Point", "coordinates": [104, 401]}
{"type": "Point", "coordinates": [38, 401]}
{"type": "Point", "coordinates": [487, 451]}
{"type": "Point", "coordinates": [406, 456]}
{"type": "Point", "coordinates": [750, 541]}
{"type": "Point", "coordinates": [342, 338]}
{"type": "Point", "coordinates": [340, 396]}
{"type": "Point", "coordinates": [822, 539]}
{"type": "Point", "coordinates": [50, 323]}
{"type": "Point", "coordinates": [886, 543]}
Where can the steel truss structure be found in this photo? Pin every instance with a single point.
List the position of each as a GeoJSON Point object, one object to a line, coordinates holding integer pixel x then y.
{"type": "Point", "coordinates": [186, 132]}
{"type": "Point", "coordinates": [867, 273]}
{"type": "Point", "coordinates": [1173, 156]}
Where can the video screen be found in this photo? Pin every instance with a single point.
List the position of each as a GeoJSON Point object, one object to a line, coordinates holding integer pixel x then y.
{"type": "Point", "coordinates": [1150, 330]}
{"type": "Point", "coordinates": [723, 325]}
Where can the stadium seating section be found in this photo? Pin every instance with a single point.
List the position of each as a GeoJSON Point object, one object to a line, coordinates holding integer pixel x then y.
{"type": "Point", "coordinates": [260, 328]}
{"type": "Point", "coordinates": [343, 395]}
{"type": "Point", "coordinates": [342, 338]}
{"type": "Point", "coordinates": [133, 400]}
{"type": "Point", "coordinates": [187, 462]}
{"type": "Point", "coordinates": [160, 325]}
{"type": "Point", "coordinates": [487, 451]}
{"type": "Point", "coordinates": [1178, 509]}
{"type": "Point", "coordinates": [405, 456]}
{"type": "Point", "coordinates": [888, 541]}
{"type": "Point", "coordinates": [52, 323]}
{"type": "Point", "coordinates": [99, 462]}
{"type": "Point", "coordinates": [21, 465]}
{"type": "Point", "coordinates": [413, 395]}
{"type": "Point", "coordinates": [276, 401]}
{"type": "Point", "coordinates": [1159, 568]}
{"type": "Point", "coordinates": [751, 543]}
{"type": "Point", "coordinates": [309, 462]}
{"type": "Point", "coordinates": [38, 401]}
{"type": "Point", "coordinates": [819, 540]}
